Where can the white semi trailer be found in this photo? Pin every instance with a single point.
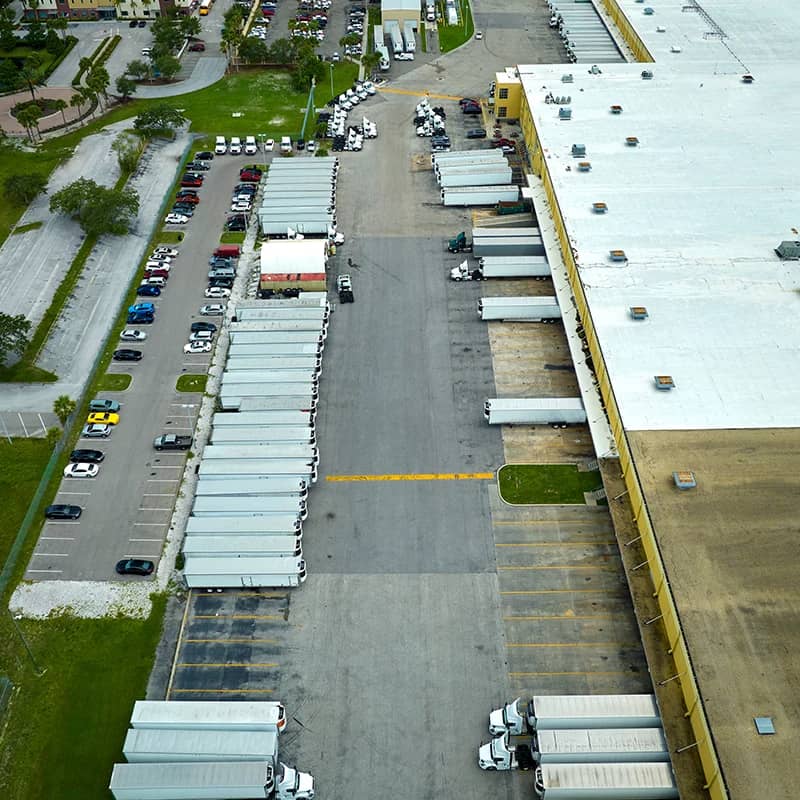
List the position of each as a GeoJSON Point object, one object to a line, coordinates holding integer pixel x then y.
{"type": "Point", "coordinates": [519, 309]}
{"type": "Point", "coordinates": [262, 434]}
{"type": "Point", "coordinates": [144, 745]}
{"type": "Point", "coordinates": [502, 267]}
{"type": "Point", "coordinates": [248, 715]}
{"type": "Point", "coordinates": [649, 781]}
{"type": "Point", "coordinates": [534, 411]}
{"type": "Point", "coordinates": [270, 484]}
{"type": "Point", "coordinates": [476, 175]}
{"type": "Point", "coordinates": [479, 195]}
{"type": "Point", "coordinates": [248, 505]}
{"type": "Point", "coordinates": [292, 419]}
{"type": "Point", "coordinates": [279, 363]}
{"type": "Point", "coordinates": [287, 524]}
{"type": "Point", "coordinates": [273, 452]}
{"type": "Point", "coordinates": [240, 546]}
{"type": "Point", "coordinates": [269, 572]}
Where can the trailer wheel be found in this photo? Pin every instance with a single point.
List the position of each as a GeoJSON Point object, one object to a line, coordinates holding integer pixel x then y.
{"type": "Point", "coordinates": [491, 769]}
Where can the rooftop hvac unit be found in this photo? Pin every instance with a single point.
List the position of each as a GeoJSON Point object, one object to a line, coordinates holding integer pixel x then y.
{"type": "Point", "coordinates": [616, 109]}
{"type": "Point", "coordinates": [584, 166]}
{"type": "Point", "coordinates": [566, 78]}
{"type": "Point", "coordinates": [579, 150]}
{"type": "Point", "coordinates": [648, 12]}
{"type": "Point", "coordinates": [565, 113]}
{"type": "Point", "coordinates": [599, 208]}
{"type": "Point", "coordinates": [747, 78]}
{"type": "Point", "coordinates": [789, 250]}
{"type": "Point", "coordinates": [638, 312]}
{"type": "Point", "coordinates": [617, 255]}
{"type": "Point", "coordinates": [684, 479]}
{"type": "Point", "coordinates": [631, 141]}
{"type": "Point", "coordinates": [664, 382]}
{"type": "Point", "coordinates": [647, 75]}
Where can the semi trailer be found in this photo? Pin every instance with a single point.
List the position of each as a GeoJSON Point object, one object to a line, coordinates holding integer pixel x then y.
{"type": "Point", "coordinates": [262, 434]}
{"type": "Point", "coordinates": [237, 361]}
{"type": "Point", "coordinates": [478, 195]}
{"type": "Point", "coordinates": [269, 572]}
{"type": "Point", "coordinates": [294, 487]}
{"type": "Point", "coordinates": [247, 715]}
{"type": "Point", "coordinates": [293, 419]}
{"type": "Point", "coordinates": [241, 546]}
{"type": "Point", "coordinates": [534, 411]}
{"type": "Point", "coordinates": [648, 781]}
{"type": "Point", "coordinates": [248, 505]}
{"type": "Point", "coordinates": [287, 524]}
{"type": "Point", "coordinates": [519, 309]}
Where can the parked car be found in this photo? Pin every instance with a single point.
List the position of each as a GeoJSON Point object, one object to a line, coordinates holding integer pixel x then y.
{"type": "Point", "coordinates": [191, 180]}
{"type": "Point", "coordinates": [468, 101]}
{"type": "Point", "coordinates": [204, 155]}
{"type": "Point", "coordinates": [132, 23]}
{"type": "Point", "coordinates": [197, 47]}
{"type": "Point", "coordinates": [203, 326]}
{"type": "Point", "coordinates": [197, 347]}
{"type": "Point", "coordinates": [183, 209]}
{"type": "Point", "coordinates": [235, 148]}
{"type": "Point", "coordinates": [81, 470]}
{"type": "Point", "coordinates": [220, 146]}
{"type": "Point", "coordinates": [269, 145]}
{"type": "Point", "coordinates": [87, 456]}
{"type": "Point", "coordinates": [238, 224]}
{"type": "Point", "coordinates": [137, 307]}
{"type": "Point", "coordinates": [159, 281]}
{"type": "Point", "coordinates": [176, 219]}
{"type": "Point", "coordinates": [201, 336]}
{"type": "Point", "coordinates": [250, 146]}
{"type": "Point", "coordinates": [60, 511]}
{"type": "Point", "coordinates": [471, 110]}
{"type": "Point", "coordinates": [126, 354]}
{"type": "Point", "coordinates": [134, 566]}
{"type": "Point", "coordinates": [217, 291]}
{"type": "Point", "coordinates": [503, 142]}
{"type": "Point", "coordinates": [141, 318]}
{"type": "Point", "coordinates": [224, 283]}
{"type": "Point", "coordinates": [212, 310]}
{"type": "Point", "coordinates": [148, 291]}
{"type": "Point", "coordinates": [479, 35]}
{"type": "Point", "coordinates": [156, 272]}
{"type": "Point", "coordinates": [476, 133]}
{"type": "Point", "coordinates": [100, 404]}
{"type": "Point", "coordinates": [198, 166]}
{"type": "Point", "coordinates": [96, 431]}
{"type": "Point", "coordinates": [187, 199]}
{"type": "Point", "coordinates": [255, 170]}
{"type": "Point", "coordinates": [166, 251]}
{"type": "Point", "coordinates": [103, 418]}
{"type": "Point", "coordinates": [142, 23]}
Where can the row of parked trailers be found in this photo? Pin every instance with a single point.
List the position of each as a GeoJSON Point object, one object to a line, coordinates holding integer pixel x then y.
{"type": "Point", "coordinates": [584, 746]}
{"type": "Point", "coordinates": [585, 35]}
{"type": "Point", "coordinates": [474, 177]}
{"type": "Point", "coordinates": [300, 196]}
{"type": "Point", "coordinates": [199, 749]}
{"type": "Point", "coordinates": [254, 477]}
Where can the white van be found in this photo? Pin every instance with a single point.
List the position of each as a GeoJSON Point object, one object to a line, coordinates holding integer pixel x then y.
{"type": "Point", "coordinates": [220, 146]}
{"type": "Point", "coordinates": [155, 281]}
{"type": "Point", "coordinates": [250, 147]}
{"type": "Point", "coordinates": [286, 144]}
{"type": "Point", "coordinates": [236, 146]}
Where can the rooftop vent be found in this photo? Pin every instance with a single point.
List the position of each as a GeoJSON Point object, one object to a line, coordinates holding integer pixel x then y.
{"type": "Point", "coordinates": [764, 726]}
{"type": "Point", "coordinates": [579, 150]}
{"type": "Point", "coordinates": [747, 78]}
{"type": "Point", "coordinates": [788, 250]}
{"type": "Point", "coordinates": [684, 479]}
{"type": "Point", "coordinates": [631, 141]}
{"type": "Point", "coordinates": [566, 78]}
{"type": "Point", "coordinates": [638, 312]}
{"type": "Point", "coordinates": [595, 70]}
{"type": "Point", "coordinates": [565, 113]}
{"type": "Point", "coordinates": [648, 12]}
{"type": "Point", "coordinates": [599, 208]}
{"type": "Point", "coordinates": [660, 29]}
{"type": "Point", "coordinates": [584, 166]}
{"type": "Point", "coordinates": [675, 49]}
{"type": "Point", "coordinates": [617, 255]}
{"type": "Point", "coordinates": [664, 382]}
{"type": "Point", "coordinates": [616, 109]}
{"type": "Point", "coordinates": [647, 75]}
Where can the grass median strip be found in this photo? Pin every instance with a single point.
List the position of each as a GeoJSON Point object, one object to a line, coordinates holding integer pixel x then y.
{"type": "Point", "coordinates": [191, 383]}
{"type": "Point", "coordinates": [114, 382]}
{"type": "Point", "coordinates": [31, 226]}
{"type": "Point", "coordinates": [532, 484]}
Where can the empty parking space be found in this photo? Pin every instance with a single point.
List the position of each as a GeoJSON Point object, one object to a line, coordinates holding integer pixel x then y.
{"type": "Point", "coordinates": [231, 645]}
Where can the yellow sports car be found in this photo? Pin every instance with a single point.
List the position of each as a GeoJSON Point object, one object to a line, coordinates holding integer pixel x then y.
{"type": "Point", "coordinates": [104, 418]}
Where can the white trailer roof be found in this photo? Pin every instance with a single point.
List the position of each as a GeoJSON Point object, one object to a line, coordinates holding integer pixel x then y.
{"type": "Point", "coordinates": [260, 714]}
{"type": "Point", "coordinates": [252, 565]}
{"type": "Point", "coordinates": [236, 525]}
{"type": "Point", "coordinates": [293, 255]}
{"type": "Point", "coordinates": [200, 745]}
{"type": "Point", "coordinates": [231, 545]}
{"type": "Point", "coordinates": [246, 418]}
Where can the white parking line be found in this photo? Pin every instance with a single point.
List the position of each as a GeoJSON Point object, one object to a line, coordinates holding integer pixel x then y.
{"type": "Point", "coordinates": [62, 522]}
{"type": "Point", "coordinates": [53, 571]}
{"type": "Point", "coordinates": [163, 480]}
{"type": "Point", "coordinates": [182, 416]}
{"type": "Point", "coordinates": [144, 508]}
{"type": "Point", "coordinates": [185, 405]}
{"type": "Point", "coordinates": [52, 555]}
{"type": "Point", "coordinates": [21, 422]}
{"type": "Point", "coordinates": [143, 540]}
{"type": "Point", "coordinates": [82, 494]}
{"type": "Point", "coordinates": [167, 466]}
{"type": "Point", "coordinates": [57, 538]}
{"type": "Point", "coordinates": [156, 494]}
{"type": "Point", "coordinates": [181, 428]}
{"type": "Point", "coordinates": [149, 524]}
{"type": "Point", "coordinates": [143, 556]}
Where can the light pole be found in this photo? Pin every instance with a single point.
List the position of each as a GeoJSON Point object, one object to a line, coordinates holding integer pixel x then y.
{"type": "Point", "coordinates": [39, 670]}
{"type": "Point", "coordinates": [262, 137]}
{"type": "Point", "coordinates": [331, 66]}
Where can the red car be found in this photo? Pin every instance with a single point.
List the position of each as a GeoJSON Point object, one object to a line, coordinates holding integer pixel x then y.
{"type": "Point", "coordinates": [197, 47]}
{"type": "Point", "coordinates": [503, 142]}
{"type": "Point", "coordinates": [250, 175]}
{"type": "Point", "coordinates": [156, 273]}
{"type": "Point", "coordinates": [190, 180]}
{"type": "Point", "coordinates": [187, 198]}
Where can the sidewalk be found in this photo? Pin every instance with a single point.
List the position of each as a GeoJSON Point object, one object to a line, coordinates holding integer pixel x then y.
{"type": "Point", "coordinates": [12, 127]}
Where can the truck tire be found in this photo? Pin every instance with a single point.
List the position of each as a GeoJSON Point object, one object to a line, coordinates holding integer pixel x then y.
{"type": "Point", "coordinates": [159, 449]}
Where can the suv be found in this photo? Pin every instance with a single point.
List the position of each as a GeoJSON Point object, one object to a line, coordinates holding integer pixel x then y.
{"type": "Point", "coordinates": [236, 146]}
{"type": "Point", "coordinates": [286, 144]}
{"type": "Point", "coordinates": [345, 288]}
{"type": "Point", "coordinates": [220, 146]}
{"type": "Point", "coordinates": [100, 405]}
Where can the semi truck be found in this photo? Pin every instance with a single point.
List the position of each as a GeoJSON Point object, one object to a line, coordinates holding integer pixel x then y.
{"type": "Point", "coordinates": [383, 52]}
{"type": "Point", "coordinates": [237, 361]}
{"type": "Point", "coordinates": [475, 176]}
{"type": "Point", "coordinates": [596, 746]}
{"type": "Point", "coordinates": [253, 486]}
{"type": "Point", "coordinates": [408, 36]}
{"type": "Point", "coordinates": [566, 711]}
{"type": "Point", "coordinates": [269, 572]}
{"type": "Point", "coordinates": [499, 267]}
{"type": "Point", "coordinates": [229, 401]}
{"type": "Point", "coordinates": [301, 468]}
{"type": "Point", "coordinates": [260, 452]}
{"type": "Point", "coordinates": [534, 411]}
{"type": "Point", "coordinates": [241, 546]}
{"type": "Point", "coordinates": [248, 505]}
{"type": "Point", "coordinates": [144, 745]}
{"type": "Point", "coordinates": [478, 195]}
{"type": "Point", "coordinates": [276, 336]}
{"type": "Point", "coordinates": [519, 309]}
{"type": "Point", "coordinates": [287, 524]}
{"type": "Point", "coordinates": [257, 434]}
{"type": "Point", "coordinates": [246, 715]}
{"type": "Point", "coordinates": [294, 419]}
{"type": "Point", "coordinates": [648, 781]}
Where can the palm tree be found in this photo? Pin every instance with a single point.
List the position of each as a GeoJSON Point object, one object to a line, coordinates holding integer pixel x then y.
{"type": "Point", "coordinates": [29, 118]}
{"type": "Point", "coordinates": [63, 406]}
{"type": "Point", "coordinates": [60, 105]}
{"type": "Point", "coordinates": [30, 72]}
{"type": "Point", "coordinates": [76, 101]}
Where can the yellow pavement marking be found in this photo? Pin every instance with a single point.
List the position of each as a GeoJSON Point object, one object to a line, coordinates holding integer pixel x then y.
{"type": "Point", "coordinates": [544, 522]}
{"type": "Point", "coordinates": [550, 544]}
{"type": "Point", "coordinates": [558, 566]}
{"type": "Point", "coordinates": [563, 591]}
{"type": "Point", "coordinates": [238, 616]}
{"type": "Point", "coordinates": [422, 476]}
{"type": "Point", "coordinates": [223, 691]}
{"type": "Point", "coordinates": [532, 674]}
{"type": "Point", "coordinates": [230, 641]}
{"type": "Point", "coordinates": [527, 617]}
{"type": "Point", "coordinates": [227, 665]}
{"type": "Point", "coordinates": [572, 644]}
{"type": "Point", "coordinates": [419, 93]}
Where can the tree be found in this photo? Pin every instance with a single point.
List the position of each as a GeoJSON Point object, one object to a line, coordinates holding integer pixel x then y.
{"type": "Point", "coordinates": [254, 51]}
{"type": "Point", "coordinates": [97, 81]}
{"type": "Point", "coordinates": [308, 67]}
{"type": "Point", "coordinates": [63, 406]}
{"type": "Point", "coordinates": [283, 51]}
{"type": "Point", "coordinates": [371, 61]}
{"type": "Point", "coordinates": [29, 117]}
{"type": "Point", "coordinates": [21, 189]}
{"type": "Point", "coordinates": [138, 69]}
{"type": "Point", "coordinates": [8, 24]}
{"type": "Point", "coordinates": [60, 105]}
{"type": "Point", "coordinates": [189, 26]}
{"type": "Point", "coordinates": [13, 335]}
{"type": "Point", "coordinates": [166, 34]}
{"type": "Point", "coordinates": [158, 120]}
{"type": "Point", "coordinates": [350, 40]}
{"type": "Point", "coordinates": [76, 101]}
{"type": "Point", "coordinates": [125, 87]}
{"type": "Point", "coordinates": [128, 149]}
{"type": "Point", "coordinates": [167, 66]}
{"type": "Point", "coordinates": [30, 72]}
{"type": "Point", "coordinates": [98, 209]}
{"type": "Point", "coordinates": [58, 24]}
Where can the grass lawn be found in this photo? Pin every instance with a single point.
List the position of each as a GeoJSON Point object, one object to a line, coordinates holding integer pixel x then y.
{"type": "Point", "coordinates": [31, 226]}
{"type": "Point", "coordinates": [452, 36]}
{"type": "Point", "coordinates": [232, 237]}
{"type": "Point", "coordinates": [74, 717]}
{"type": "Point", "coordinates": [191, 383]}
{"type": "Point", "coordinates": [522, 484]}
{"type": "Point", "coordinates": [114, 382]}
{"type": "Point", "coordinates": [170, 237]}
{"type": "Point", "coordinates": [22, 372]}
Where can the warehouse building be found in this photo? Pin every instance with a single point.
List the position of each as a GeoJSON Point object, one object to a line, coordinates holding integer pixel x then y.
{"type": "Point", "coordinates": [662, 196]}
{"type": "Point", "coordinates": [401, 11]}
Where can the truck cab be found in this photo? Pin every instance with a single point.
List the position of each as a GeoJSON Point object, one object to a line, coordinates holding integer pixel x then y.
{"type": "Point", "coordinates": [507, 752]}
{"type": "Point", "coordinates": [293, 785]}
{"type": "Point", "coordinates": [463, 273]}
{"type": "Point", "coordinates": [507, 719]}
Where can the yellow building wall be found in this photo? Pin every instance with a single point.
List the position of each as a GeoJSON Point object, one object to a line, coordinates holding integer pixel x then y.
{"type": "Point", "coordinates": [640, 52]}
{"type": "Point", "coordinates": [512, 103]}
{"type": "Point", "coordinates": [670, 619]}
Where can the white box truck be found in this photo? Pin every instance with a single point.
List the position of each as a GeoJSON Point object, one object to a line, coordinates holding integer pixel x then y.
{"type": "Point", "coordinates": [272, 452]}
{"type": "Point", "coordinates": [233, 485]}
{"type": "Point", "coordinates": [237, 715]}
{"type": "Point", "coordinates": [519, 309]}
{"type": "Point", "coordinates": [479, 195]}
{"type": "Point", "coordinates": [276, 336]}
{"type": "Point", "coordinates": [241, 546]}
{"type": "Point", "coordinates": [605, 782]}
{"type": "Point", "coordinates": [567, 711]}
{"type": "Point", "coordinates": [534, 411]}
{"type": "Point", "coordinates": [288, 524]}
{"type": "Point", "coordinates": [173, 746]}
{"type": "Point", "coordinates": [269, 572]}
{"type": "Point", "coordinates": [239, 468]}
{"type": "Point", "coordinates": [248, 506]}
{"type": "Point", "coordinates": [292, 419]}
{"type": "Point", "coordinates": [262, 434]}
{"type": "Point", "coordinates": [279, 363]}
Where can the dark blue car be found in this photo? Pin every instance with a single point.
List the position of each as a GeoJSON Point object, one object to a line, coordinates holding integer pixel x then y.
{"type": "Point", "coordinates": [148, 291]}
{"type": "Point", "coordinates": [141, 318]}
